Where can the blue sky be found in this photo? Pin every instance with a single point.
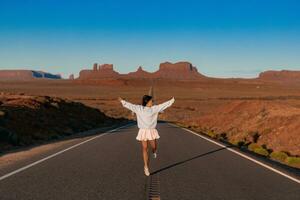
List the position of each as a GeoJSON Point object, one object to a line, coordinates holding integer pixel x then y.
{"type": "Point", "coordinates": [224, 38]}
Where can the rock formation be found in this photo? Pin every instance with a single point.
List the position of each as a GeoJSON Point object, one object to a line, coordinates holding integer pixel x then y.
{"type": "Point", "coordinates": [26, 75]}
{"type": "Point", "coordinates": [283, 75]}
{"type": "Point", "coordinates": [71, 77]}
{"type": "Point", "coordinates": [167, 70]}
{"type": "Point", "coordinates": [139, 73]}
{"type": "Point", "coordinates": [95, 68]}
{"type": "Point", "coordinates": [103, 71]}
{"type": "Point", "coordinates": [15, 74]}
{"type": "Point", "coordinates": [180, 70]}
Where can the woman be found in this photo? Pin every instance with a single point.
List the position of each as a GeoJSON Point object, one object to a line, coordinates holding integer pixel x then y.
{"type": "Point", "coordinates": [147, 115]}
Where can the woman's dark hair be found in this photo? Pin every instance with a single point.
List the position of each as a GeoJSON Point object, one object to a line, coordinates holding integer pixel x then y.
{"type": "Point", "coordinates": [146, 99]}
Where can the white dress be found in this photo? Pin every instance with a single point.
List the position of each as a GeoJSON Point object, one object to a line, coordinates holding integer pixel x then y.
{"type": "Point", "coordinates": [147, 118]}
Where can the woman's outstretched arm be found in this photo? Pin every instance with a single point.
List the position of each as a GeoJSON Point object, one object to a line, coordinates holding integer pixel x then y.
{"type": "Point", "coordinates": [128, 105]}
{"type": "Point", "coordinates": [163, 106]}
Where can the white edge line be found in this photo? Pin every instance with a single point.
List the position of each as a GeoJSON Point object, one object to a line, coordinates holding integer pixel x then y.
{"type": "Point", "coordinates": [242, 155]}
{"type": "Point", "coordinates": [60, 152]}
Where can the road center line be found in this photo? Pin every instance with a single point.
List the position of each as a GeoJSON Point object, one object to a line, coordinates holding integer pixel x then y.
{"type": "Point", "coordinates": [241, 154]}
{"type": "Point", "coordinates": [60, 152]}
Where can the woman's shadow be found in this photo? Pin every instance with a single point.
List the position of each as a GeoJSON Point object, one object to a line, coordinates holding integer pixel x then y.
{"type": "Point", "coordinates": [187, 160]}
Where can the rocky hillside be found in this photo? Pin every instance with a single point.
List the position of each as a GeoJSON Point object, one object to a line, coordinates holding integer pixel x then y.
{"type": "Point", "coordinates": [274, 125]}
{"type": "Point", "coordinates": [26, 120]}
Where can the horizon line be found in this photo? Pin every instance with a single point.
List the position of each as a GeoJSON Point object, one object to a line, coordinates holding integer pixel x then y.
{"type": "Point", "coordinates": [66, 76]}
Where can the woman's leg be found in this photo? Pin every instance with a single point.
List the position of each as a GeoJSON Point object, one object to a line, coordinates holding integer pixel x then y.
{"type": "Point", "coordinates": [153, 145]}
{"type": "Point", "coordinates": [145, 153]}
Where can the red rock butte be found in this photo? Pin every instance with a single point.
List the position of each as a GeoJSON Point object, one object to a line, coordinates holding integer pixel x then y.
{"type": "Point", "coordinates": [167, 70]}
{"type": "Point", "coordinates": [26, 75]}
{"type": "Point", "coordinates": [283, 75]}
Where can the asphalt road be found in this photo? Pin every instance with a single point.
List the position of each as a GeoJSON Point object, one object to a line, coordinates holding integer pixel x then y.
{"type": "Point", "coordinates": [110, 167]}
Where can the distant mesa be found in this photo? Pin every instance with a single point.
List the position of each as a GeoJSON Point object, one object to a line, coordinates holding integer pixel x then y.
{"type": "Point", "coordinates": [16, 74]}
{"type": "Point", "coordinates": [46, 75]}
{"type": "Point", "coordinates": [26, 75]}
{"type": "Point", "coordinates": [283, 75]}
{"type": "Point", "coordinates": [139, 73]}
{"type": "Point", "coordinates": [71, 77]}
{"type": "Point", "coordinates": [98, 72]}
{"type": "Point", "coordinates": [167, 70]}
{"type": "Point", "coordinates": [180, 70]}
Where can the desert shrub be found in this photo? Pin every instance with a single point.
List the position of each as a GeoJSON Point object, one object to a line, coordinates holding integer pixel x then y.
{"type": "Point", "coordinates": [234, 142]}
{"type": "Point", "coordinates": [211, 133]}
{"type": "Point", "coordinates": [293, 161]}
{"type": "Point", "coordinates": [265, 147]}
{"type": "Point", "coordinates": [258, 149]}
{"type": "Point", "coordinates": [261, 151]}
{"type": "Point", "coordinates": [196, 129]}
{"type": "Point", "coordinates": [192, 126]}
{"type": "Point", "coordinates": [279, 156]}
{"type": "Point", "coordinates": [222, 136]}
{"type": "Point", "coordinates": [255, 136]}
{"type": "Point", "coordinates": [253, 146]}
{"type": "Point", "coordinates": [240, 143]}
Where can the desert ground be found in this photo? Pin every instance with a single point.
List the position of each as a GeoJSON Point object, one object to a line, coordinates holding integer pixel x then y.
{"type": "Point", "coordinates": [263, 116]}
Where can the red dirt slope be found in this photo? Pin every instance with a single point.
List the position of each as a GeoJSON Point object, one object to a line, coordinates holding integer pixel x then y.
{"type": "Point", "coordinates": [276, 125]}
